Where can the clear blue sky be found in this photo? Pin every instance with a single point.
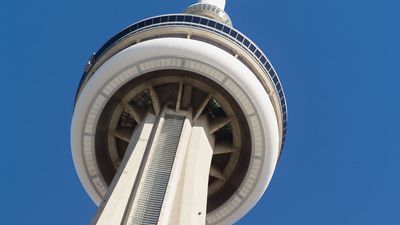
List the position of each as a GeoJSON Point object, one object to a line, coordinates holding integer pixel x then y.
{"type": "Point", "coordinates": [338, 61]}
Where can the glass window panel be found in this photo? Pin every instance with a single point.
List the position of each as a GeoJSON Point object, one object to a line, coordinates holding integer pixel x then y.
{"type": "Point", "coordinates": [267, 66]}
{"type": "Point", "coordinates": [258, 53]}
{"type": "Point", "coordinates": [134, 27]}
{"type": "Point", "coordinates": [275, 79]}
{"type": "Point", "coordinates": [282, 101]}
{"type": "Point", "coordinates": [272, 73]}
{"type": "Point", "coordinates": [227, 29]}
{"type": "Point", "coordinates": [148, 22]}
{"type": "Point", "coordinates": [233, 33]}
{"type": "Point", "coordinates": [172, 18]}
{"type": "Point", "coordinates": [196, 20]}
{"type": "Point", "coordinates": [211, 23]}
{"type": "Point", "coordinates": [263, 60]}
{"type": "Point", "coordinates": [180, 18]}
{"type": "Point", "coordinates": [164, 19]}
{"type": "Point", "coordinates": [141, 24]}
{"type": "Point", "coordinates": [279, 88]}
{"type": "Point", "coordinates": [240, 38]}
{"type": "Point", "coordinates": [203, 21]}
{"type": "Point", "coordinates": [188, 18]}
{"type": "Point", "coordinates": [252, 48]}
{"type": "Point", "coordinates": [246, 42]}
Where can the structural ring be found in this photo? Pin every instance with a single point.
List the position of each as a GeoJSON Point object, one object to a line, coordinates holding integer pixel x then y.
{"type": "Point", "coordinates": [195, 56]}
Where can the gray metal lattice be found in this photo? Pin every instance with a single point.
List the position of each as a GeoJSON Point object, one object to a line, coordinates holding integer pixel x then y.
{"type": "Point", "coordinates": [143, 99]}
{"type": "Point", "coordinates": [155, 181]}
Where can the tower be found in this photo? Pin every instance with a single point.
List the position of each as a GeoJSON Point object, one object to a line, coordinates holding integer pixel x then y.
{"type": "Point", "coordinates": [178, 119]}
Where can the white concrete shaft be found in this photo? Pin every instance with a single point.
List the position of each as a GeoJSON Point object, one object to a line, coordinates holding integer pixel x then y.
{"type": "Point", "coordinates": [219, 3]}
{"type": "Point", "coordinates": [185, 199]}
{"type": "Point", "coordinates": [111, 211]}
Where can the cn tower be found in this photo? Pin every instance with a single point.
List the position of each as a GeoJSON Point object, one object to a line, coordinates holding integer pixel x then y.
{"type": "Point", "coordinates": [179, 119]}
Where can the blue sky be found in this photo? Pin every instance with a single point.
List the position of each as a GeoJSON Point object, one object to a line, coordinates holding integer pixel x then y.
{"type": "Point", "coordinates": [339, 64]}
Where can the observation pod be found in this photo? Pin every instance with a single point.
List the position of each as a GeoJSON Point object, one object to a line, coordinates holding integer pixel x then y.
{"type": "Point", "coordinates": [178, 119]}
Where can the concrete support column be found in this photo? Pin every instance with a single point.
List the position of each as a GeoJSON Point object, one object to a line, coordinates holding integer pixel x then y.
{"type": "Point", "coordinates": [111, 211]}
{"type": "Point", "coordinates": [163, 178]}
{"type": "Point", "coordinates": [187, 200]}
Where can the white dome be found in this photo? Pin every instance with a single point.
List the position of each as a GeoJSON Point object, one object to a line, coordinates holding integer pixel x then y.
{"type": "Point", "coordinates": [219, 3]}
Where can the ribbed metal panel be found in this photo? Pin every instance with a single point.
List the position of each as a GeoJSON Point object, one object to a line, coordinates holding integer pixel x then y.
{"type": "Point", "coordinates": [155, 181]}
